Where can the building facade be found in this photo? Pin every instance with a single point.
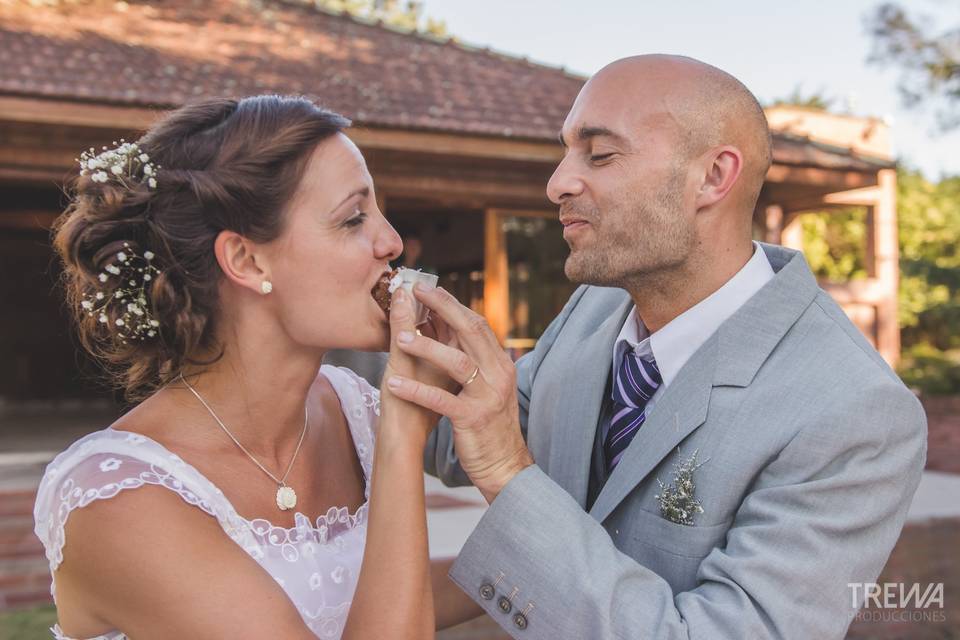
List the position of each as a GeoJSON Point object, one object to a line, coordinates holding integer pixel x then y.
{"type": "Point", "coordinates": [460, 141]}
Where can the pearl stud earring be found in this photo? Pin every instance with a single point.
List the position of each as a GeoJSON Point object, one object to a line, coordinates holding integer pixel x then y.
{"type": "Point", "coordinates": [266, 286]}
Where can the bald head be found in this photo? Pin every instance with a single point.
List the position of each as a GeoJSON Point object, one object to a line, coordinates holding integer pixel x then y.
{"type": "Point", "coordinates": [702, 106]}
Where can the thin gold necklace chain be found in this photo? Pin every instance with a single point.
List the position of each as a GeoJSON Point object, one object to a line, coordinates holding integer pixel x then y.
{"type": "Point", "coordinates": [282, 481]}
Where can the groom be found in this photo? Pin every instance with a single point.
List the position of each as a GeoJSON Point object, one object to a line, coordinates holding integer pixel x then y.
{"type": "Point", "coordinates": [701, 445]}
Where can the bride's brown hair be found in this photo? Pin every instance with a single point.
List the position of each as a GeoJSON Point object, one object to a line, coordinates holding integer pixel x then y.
{"type": "Point", "coordinates": [224, 165]}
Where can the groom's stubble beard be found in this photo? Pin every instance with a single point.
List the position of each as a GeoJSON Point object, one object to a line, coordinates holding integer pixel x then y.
{"type": "Point", "coordinates": [642, 236]}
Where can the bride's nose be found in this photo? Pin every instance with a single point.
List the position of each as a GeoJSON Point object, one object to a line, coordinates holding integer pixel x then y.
{"type": "Point", "coordinates": [388, 245]}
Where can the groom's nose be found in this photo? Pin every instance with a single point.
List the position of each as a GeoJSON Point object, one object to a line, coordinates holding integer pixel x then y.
{"type": "Point", "coordinates": [565, 182]}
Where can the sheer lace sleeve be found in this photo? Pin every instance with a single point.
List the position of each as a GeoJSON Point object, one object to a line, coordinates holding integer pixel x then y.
{"type": "Point", "coordinates": [100, 466]}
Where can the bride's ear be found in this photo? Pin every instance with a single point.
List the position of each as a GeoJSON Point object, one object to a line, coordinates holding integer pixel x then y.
{"type": "Point", "coordinates": [241, 262]}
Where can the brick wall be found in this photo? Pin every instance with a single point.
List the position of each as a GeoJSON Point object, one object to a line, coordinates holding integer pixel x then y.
{"type": "Point", "coordinates": [24, 574]}
{"type": "Point", "coordinates": [943, 424]}
{"type": "Point", "coordinates": [927, 552]}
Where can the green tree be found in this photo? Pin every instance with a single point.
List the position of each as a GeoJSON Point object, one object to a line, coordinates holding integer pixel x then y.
{"type": "Point", "coordinates": [817, 100]}
{"type": "Point", "coordinates": [834, 243]}
{"type": "Point", "coordinates": [404, 15]}
{"type": "Point", "coordinates": [929, 225]}
{"type": "Point", "coordinates": [928, 55]}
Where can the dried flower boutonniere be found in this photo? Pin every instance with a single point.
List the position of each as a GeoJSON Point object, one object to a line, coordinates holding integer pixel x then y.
{"type": "Point", "coordinates": [678, 502]}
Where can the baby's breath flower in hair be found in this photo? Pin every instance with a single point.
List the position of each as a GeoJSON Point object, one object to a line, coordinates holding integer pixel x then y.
{"type": "Point", "coordinates": [135, 321]}
{"type": "Point", "coordinates": [125, 161]}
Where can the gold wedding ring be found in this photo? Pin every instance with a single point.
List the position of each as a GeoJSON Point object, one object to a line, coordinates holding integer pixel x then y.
{"type": "Point", "coordinates": [473, 376]}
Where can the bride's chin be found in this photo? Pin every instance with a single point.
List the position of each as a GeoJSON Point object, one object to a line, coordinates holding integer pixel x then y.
{"type": "Point", "coordinates": [381, 342]}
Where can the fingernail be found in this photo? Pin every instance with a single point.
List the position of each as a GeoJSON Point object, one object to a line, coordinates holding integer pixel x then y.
{"type": "Point", "coordinates": [405, 337]}
{"type": "Point", "coordinates": [400, 295]}
{"type": "Point", "coordinates": [394, 382]}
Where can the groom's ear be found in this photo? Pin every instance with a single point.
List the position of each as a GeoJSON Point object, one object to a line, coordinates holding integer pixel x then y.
{"type": "Point", "coordinates": [722, 168]}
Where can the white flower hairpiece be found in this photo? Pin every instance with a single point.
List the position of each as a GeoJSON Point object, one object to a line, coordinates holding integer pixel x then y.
{"type": "Point", "coordinates": [126, 160]}
{"type": "Point", "coordinates": [135, 273]}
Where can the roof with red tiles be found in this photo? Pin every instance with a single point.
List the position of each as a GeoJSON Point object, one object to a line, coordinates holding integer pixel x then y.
{"type": "Point", "coordinates": [164, 53]}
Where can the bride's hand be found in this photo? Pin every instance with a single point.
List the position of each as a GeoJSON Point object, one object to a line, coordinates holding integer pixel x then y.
{"type": "Point", "coordinates": [437, 329]}
{"type": "Point", "coordinates": [402, 317]}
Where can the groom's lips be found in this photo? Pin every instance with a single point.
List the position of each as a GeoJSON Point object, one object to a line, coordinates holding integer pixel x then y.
{"type": "Point", "coordinates": [573, 225]}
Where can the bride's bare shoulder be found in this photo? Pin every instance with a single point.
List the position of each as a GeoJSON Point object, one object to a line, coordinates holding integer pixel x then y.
{"type": "Point", "coordinates": [146, 560]}
{"type": "Point", "coordinates": [111, 548]}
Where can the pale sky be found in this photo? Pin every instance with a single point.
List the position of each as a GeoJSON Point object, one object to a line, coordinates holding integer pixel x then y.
{"type": "Point", "coordinates": [772, 46]}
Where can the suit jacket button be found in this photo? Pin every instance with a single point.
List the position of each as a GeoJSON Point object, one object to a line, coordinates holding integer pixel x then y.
{"type": "Point", "coordinates": [520, 621]}
{"type": "Point", "coordinates": [504, 604]}
{"type": "Point", "coordinates": [486, 592]}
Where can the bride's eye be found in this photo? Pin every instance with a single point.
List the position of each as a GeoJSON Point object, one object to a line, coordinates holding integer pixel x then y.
{"type": "Point", "coordinates": [356, 220]}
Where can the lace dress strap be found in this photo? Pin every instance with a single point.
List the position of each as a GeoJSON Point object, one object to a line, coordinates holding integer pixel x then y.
{"type": "Point", "coordinates": [360, 402]}
{"type": "Point", "coordinates": [104, 463]}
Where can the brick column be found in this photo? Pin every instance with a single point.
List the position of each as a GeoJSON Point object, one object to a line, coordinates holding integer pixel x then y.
{"type": "Point", "coordinates": [886, 255]}
{"type": "Point", "coordinates": [773, 221]}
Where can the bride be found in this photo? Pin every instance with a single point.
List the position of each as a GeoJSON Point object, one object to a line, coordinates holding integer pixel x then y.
{"type": "Point", "coordinates": [251, 492]}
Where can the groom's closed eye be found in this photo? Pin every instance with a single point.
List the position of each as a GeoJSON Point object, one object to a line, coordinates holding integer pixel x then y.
{"type": "Point", "coordinates": [601, 157]}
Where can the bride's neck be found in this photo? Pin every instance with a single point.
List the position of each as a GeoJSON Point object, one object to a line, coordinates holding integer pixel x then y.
{"type": "Point", "coordinates": [258, 392]}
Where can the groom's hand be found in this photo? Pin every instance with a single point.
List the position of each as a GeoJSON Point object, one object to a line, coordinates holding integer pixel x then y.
{"type": "Point", "coordinates": [485, 413]}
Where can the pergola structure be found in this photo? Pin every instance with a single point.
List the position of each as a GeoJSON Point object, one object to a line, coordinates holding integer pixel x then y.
{"type": "Point", "coordinates": [460, 142]}
{"type": "Point", "coordinates": [866, 178]}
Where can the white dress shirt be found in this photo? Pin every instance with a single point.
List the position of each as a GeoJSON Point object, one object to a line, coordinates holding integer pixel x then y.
{"type": "Point", "coordinates": [679, 339]}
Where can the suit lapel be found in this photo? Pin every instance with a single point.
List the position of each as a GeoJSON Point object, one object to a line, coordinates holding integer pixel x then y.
{"type": "Point", "coordinates": [730, 357]}
{"type": "Point", "coordinates": [580, 400]}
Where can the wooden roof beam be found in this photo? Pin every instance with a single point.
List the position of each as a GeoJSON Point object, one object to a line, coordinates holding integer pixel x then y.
{"type": "Point", "coordinates": [830, 180]}
{"type": "Point", "coordinates": [60, 112]}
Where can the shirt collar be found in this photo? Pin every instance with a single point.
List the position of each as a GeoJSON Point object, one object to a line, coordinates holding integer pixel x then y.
{"type": "Point", "coordinates": [679, 339]}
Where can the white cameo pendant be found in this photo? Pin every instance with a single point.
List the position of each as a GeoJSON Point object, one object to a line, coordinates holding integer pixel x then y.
{"type": "Point", "coordinates": [286, 498]}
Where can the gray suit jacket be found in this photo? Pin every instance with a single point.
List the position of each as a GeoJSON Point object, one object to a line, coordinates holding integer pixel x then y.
{"type": "Point", "coordinates": [814, 450]}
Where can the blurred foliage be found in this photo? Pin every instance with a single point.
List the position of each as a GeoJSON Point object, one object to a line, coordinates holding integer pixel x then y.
{"type": "Point", "coordinates": [929, 226]}
{"type": "Point", "coordinates": [817, 100]}
{"type": "Point", "coordinates": [932, 370]}
{"type": "Point", "coordinates": [403, 15]}
{"type": "Point", "coordinates": [928, 216]}
{"type": "Point", "coordinates": [834, 243]}
{"type": "Point", "coordinates": [928, 54]}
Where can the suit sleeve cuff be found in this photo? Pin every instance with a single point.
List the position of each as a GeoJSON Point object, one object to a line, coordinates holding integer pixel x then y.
{"type": "Point", "coordinates": [491, 564]}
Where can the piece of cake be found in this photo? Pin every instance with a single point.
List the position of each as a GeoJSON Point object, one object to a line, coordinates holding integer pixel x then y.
{"type": "Point", "coordinates": [381, 290]}
{"type": "Point", "coordinates": [406, 278]}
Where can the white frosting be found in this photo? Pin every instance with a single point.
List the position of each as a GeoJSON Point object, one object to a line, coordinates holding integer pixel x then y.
{"type": "Point", "coordinates": [409, 277]}
{"type": "Point", "coordinates": [395, 283]}
{"type": "Point", "coordinates": [406, 278]}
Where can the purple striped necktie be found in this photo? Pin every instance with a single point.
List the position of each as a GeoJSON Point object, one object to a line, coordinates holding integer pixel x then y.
{"type": "Point", "coordinates": [637, 380]}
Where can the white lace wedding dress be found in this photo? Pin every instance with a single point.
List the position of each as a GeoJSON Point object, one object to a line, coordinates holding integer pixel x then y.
{"type": "Point", "coordinates": [316, 563]}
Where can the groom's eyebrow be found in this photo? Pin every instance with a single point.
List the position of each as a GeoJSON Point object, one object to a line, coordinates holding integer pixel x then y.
{"type": "Point", "coordinates": [587, 133]}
